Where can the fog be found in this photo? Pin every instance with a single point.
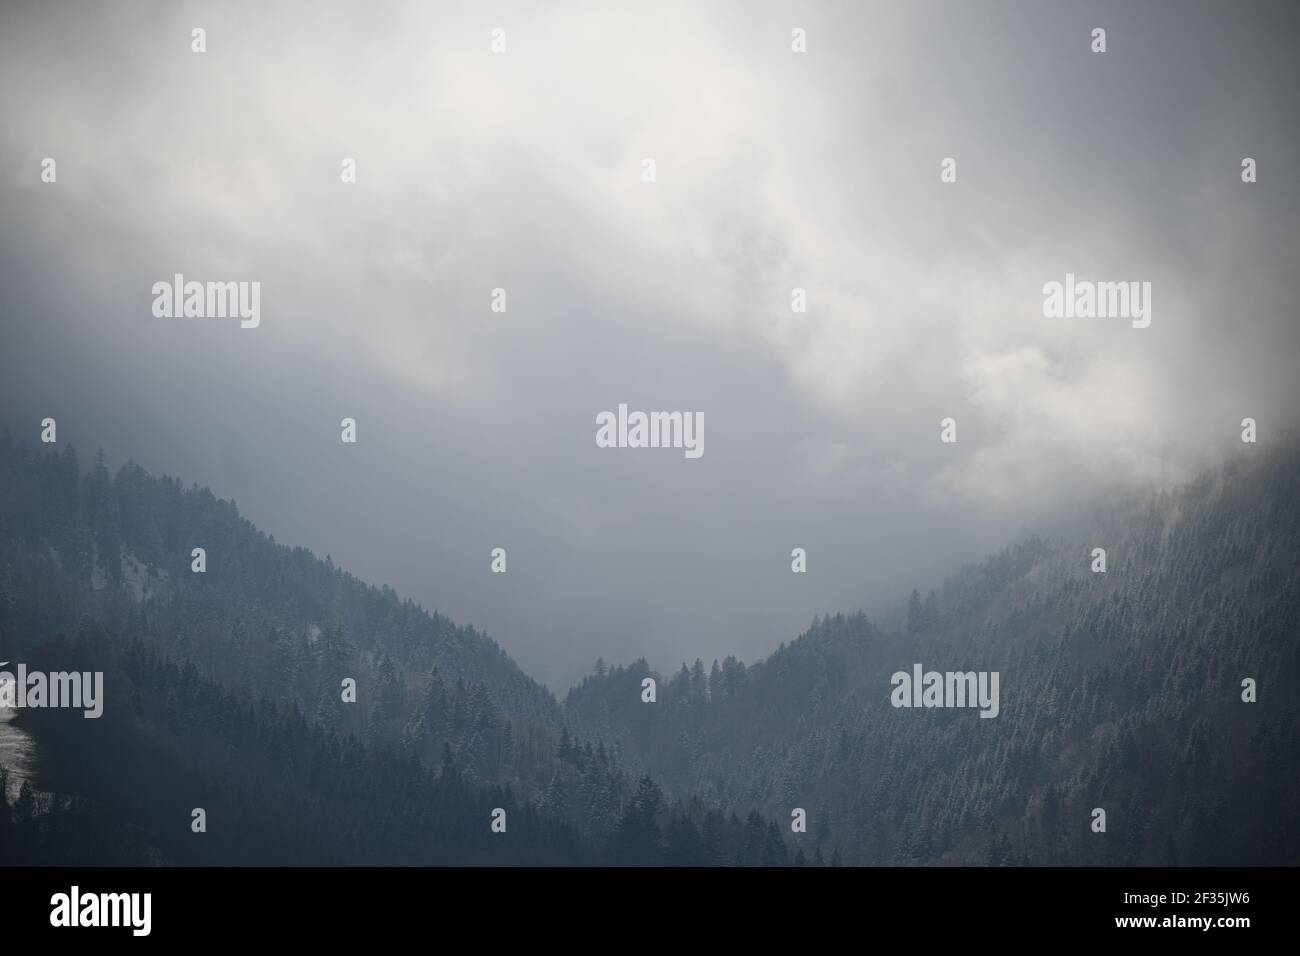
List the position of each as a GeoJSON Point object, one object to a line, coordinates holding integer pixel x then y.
{"type": "Point", "coordinates": [775, 170]}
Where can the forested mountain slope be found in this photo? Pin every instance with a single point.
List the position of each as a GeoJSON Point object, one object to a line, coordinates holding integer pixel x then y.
{"type": "Point", "coordinates": [262, 617]}
{"type": "Point", "coordinates": [1119, 690]}
{"type": "Point", "coordinates": [223, 691]}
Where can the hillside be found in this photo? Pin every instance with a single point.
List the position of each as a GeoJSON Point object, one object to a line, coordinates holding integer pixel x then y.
{"type": "Point", "coordinates": [1120, 690]}
{"type": "Point", "coordinates": [225, 691]}
{"type": "Point", "coordinates": [263, 617]}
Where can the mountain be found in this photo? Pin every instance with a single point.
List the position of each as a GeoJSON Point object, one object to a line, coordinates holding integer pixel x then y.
{"type": "Point", "coordinates": [1120, 690]}
{"type": "Point", "coordinates": [226, 677]}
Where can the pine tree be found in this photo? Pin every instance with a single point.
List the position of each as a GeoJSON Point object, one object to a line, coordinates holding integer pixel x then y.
{"type": "Point", "coordinates": [774, 851]}
{"type": "Point", "coordinates": [25, 806]}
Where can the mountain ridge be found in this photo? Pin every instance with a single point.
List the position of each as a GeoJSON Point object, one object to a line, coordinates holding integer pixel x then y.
{"type": "Point", "coordinates": [808, 727]}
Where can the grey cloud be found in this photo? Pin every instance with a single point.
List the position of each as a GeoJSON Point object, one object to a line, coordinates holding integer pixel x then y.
{"type": "Point", "coordinates": [775, 171]}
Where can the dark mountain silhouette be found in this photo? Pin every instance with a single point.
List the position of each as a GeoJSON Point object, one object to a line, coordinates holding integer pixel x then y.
{"type": "Point", "coordinates": [224, 692]}
{"type": "Point", "coordinates": [1120, 691]}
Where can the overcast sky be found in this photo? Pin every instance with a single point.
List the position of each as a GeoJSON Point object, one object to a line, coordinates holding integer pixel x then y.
{"type": "Point", "coordinates": [775, 170]}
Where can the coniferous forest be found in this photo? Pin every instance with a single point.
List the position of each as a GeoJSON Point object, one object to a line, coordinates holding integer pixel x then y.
{"type": "Point", "coordinates": [1120, 690]}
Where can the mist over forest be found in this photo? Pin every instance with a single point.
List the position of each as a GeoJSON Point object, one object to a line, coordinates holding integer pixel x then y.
{"type": "Point", "coordinates": [731, 434]}
{"type": "Point", "coordinates": [1122, 689]}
